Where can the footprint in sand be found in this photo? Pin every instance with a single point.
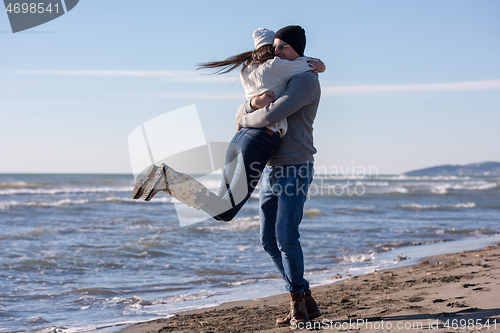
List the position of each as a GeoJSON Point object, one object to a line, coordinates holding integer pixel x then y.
{"type": "Point", "coordinates": [457, 305]}
{"type": "Point", "coordinates": [438, 300]}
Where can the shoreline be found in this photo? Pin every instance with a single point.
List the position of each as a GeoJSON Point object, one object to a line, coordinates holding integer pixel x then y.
{"type": "Point", "coordinates": [458, 286]}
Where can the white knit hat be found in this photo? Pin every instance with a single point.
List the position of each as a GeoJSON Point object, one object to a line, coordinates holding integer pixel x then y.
{"type": "Point", "coordinates": [263, 36]}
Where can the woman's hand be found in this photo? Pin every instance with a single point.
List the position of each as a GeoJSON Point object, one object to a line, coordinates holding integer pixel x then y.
{"type": "Point", "coordinates": [238, 126]}
{"type": "Point", "coordinates": [317, 65]}
{"type": "Point", "coordinates": [258, 102]}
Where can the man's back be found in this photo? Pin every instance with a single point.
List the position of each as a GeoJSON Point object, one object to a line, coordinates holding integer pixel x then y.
{"type": "Point", "coordinates": [298, 105]}
{"type": "Point", "coordinates": [296, 147]}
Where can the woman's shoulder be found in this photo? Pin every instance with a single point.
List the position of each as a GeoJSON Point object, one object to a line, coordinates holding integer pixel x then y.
{"type": "Point", "coordinates": [278, 62]}
{"type": "Point", "coordinates": [285, 61]}
{"type": "Point", "coordinates": [287, 68]}
{"type": "Point", "coordinates": [249, 68]}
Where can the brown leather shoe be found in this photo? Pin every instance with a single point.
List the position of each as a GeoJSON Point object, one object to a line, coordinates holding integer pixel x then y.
{"type": "Point", "coordinates": [298, 311]}
{"type": "Point", "coordinates": [311, 306]}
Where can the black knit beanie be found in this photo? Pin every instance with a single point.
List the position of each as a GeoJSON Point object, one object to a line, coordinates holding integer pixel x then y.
{"type": "Point", "coordinates": [293, 35]}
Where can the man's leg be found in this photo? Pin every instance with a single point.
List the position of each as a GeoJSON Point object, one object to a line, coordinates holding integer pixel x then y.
{"type": "Point", "coordinates": [268, 209]}
{"type": "Point", "coordinates": [291, 184]}
{"type": "Point", "coordinates": [268, 203]}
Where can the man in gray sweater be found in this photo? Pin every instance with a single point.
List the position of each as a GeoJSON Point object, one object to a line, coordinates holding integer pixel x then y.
{"type": "Point", "coordinates": [286, 180]}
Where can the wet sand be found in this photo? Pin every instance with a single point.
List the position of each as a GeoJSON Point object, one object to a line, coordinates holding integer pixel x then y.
{"type": "Point", "coordinates": [449, 293]}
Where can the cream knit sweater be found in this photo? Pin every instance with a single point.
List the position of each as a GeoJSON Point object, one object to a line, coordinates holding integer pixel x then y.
{"type": "Point", "coordinates": [272, 75]}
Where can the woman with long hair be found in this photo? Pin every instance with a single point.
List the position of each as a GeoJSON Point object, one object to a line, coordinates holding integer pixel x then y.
{"type": "Point", "coordinates": [250, 148]}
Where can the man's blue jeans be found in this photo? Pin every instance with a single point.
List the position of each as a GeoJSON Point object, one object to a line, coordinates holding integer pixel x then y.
{"type": "Point", "coordinates": [283, 193]}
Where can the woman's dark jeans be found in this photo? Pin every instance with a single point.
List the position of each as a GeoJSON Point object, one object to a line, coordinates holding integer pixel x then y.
{"type": "Point", "coordinates": [247, 155]}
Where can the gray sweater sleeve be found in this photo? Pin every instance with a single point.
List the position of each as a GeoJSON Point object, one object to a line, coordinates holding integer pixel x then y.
{"type": "Point", "coordinates": [244, 109]}
{"type": "Point", "coordinates": [302, 90]}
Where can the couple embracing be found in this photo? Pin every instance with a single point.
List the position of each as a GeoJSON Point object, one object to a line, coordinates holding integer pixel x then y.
{"type": "Point", "coordinates": [274, 140]}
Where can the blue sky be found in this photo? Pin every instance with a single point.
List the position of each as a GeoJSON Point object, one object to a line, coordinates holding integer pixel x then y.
{"type": "Point", "coordinates": [409, 84]}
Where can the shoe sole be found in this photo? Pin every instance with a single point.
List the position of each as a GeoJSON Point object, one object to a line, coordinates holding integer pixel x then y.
{"type": "Point", "coordinates": [141, 184]}
{"type": "Point", "coordinates": [154, 185]}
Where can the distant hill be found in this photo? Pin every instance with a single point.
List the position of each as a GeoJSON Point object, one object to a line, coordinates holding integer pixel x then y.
{"type": "Point", "coordinates": [475, 169]}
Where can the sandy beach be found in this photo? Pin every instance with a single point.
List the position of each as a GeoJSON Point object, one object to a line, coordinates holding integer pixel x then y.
{"type": "Point", "coordinates": [447, 293]}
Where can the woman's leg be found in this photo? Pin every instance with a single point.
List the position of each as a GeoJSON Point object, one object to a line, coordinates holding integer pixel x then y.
{"type": "Point", "coordinates": [248, 154]}
{"type": "Point", "coordinates": [230, 165]}
{"type": "Point", "coordinates": [165, 178]}
{"type": "Point", "coordinates": [246, 157]}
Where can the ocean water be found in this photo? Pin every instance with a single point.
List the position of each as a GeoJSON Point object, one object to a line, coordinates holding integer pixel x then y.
{"type": "Point", "coordinates": [79, 255]}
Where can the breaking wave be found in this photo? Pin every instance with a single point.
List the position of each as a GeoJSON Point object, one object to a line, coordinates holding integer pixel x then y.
{"type": "Point", "coordinates": [64, 190]}
{"type": "Point", "coordinates": [415, 206]}
{"type": "Point", "coordinates": [63, 202]}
